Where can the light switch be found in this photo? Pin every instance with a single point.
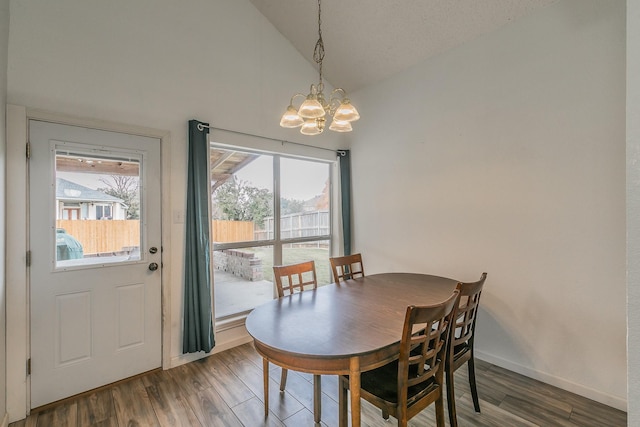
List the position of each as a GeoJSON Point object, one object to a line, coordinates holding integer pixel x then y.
{"type": "Point", "coordinates": [178, 216]}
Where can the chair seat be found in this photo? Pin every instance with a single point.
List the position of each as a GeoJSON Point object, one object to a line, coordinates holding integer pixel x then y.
{"type": "Point", "coordinates": [383, 382]}
{"type": "Point", "coordinates": [460, 349]}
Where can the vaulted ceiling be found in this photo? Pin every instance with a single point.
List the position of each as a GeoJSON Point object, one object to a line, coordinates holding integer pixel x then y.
{"type": "Point", "coordinates": [368, 40]}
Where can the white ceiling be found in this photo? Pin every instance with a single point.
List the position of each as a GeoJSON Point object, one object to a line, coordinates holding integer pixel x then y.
{"type": "Point", "coordinates": [368, 40]}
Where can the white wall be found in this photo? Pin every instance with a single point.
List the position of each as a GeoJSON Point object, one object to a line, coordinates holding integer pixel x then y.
{"type": "Point", "coordinates": [512, 161]}
{"type": "Point", "coordinates": [507, 155]}
{"type": "Point", "coordinates": [4, 43]}
{"type": "Point", "coordinates": [158, 64]}
{"type": "Point", "coordinates": [633, 209]}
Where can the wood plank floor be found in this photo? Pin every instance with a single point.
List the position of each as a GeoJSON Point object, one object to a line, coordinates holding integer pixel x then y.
{"type": "Point", "coordinates": [226, 390]}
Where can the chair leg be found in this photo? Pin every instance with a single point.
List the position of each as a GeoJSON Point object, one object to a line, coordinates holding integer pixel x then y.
{"type": "Point", "coordinates": [317, 398]}
{"type": "Point", "coordinates": [265, 377]}
{"type": "Point", "coordinates": [451, 398]}
{"type": "Point", "coordinates": [440, 411]}
{"type": "Point", "coordinates": [343, 387]}
{"type": "Point", "coordinates": [402, 416]}
{"type": "Point", "coordinates": [472, 383]}
{"type": "Point", "coordinates": [283, 379]}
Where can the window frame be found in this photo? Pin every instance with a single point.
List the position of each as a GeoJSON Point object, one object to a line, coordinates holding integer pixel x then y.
{"type": "Point", "coordinates": [277, 243]}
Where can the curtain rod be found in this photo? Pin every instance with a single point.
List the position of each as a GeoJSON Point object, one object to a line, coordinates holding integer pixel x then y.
{"type": "Point", "coordinates": [340, 153]}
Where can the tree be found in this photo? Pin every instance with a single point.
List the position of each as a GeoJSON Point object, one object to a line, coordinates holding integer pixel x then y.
{"type": "Point", "coordinates": [322, 201]}
{"type": "Point", "coordinates": [291, 206]}
{"type": "Point", "coordinates": [236, 200]}
{"type": "Point", "coordinates": [126, 188]}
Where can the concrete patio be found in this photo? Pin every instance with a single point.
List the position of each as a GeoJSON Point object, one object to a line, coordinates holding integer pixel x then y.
{"type": "Point", "coordinates": [235, 295]}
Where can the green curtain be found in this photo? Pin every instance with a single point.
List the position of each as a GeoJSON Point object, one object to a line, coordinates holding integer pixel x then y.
{"type": "Point", "coordinates": [345, 191]}
{"type": "Point", "coordinates": [198, 321]}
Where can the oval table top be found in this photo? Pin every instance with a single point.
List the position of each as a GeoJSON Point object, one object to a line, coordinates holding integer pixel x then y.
{"type": "Point", "coordinates": [339, 321]}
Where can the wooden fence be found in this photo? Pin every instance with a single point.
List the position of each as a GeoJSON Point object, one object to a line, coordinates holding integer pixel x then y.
{"type": "Point", "coordinates": [232, 231]}
{"type": "Point", "coordinates": [103, 236]}
{"type": "Point", "coordinates": [107, 236]}
{"type": "Point", "coordinates": [303, 224]}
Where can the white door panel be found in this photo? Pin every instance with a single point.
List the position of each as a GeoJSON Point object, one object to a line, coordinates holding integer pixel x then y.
{"type": "Point", "coordinates": [95, 303]}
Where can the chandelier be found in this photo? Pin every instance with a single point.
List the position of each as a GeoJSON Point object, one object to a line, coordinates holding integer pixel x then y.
{"type": "Point", "coordinates": [312, 114]}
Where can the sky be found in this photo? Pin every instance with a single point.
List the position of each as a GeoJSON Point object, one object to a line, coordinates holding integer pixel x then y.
{"type": "Point", "coordinates": [90, 180]}
{"type": "Point", "coordinates": [300, 179]}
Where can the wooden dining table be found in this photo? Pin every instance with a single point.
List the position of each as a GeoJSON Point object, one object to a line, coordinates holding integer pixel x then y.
{"type": "Point", "coordinates": [342, 328]}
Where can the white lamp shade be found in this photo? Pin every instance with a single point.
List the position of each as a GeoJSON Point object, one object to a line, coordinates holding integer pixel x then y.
{"type": "Point", "coordinates": [310, 127]}
{"type": "Point", "coordinates": [290, 118]}
{"type": "Point", "coordinates": [340, 126]}
{"type": "Point", "coordinates": [346, 112]}
{"type": "Point", "coordinates": [311, 108]}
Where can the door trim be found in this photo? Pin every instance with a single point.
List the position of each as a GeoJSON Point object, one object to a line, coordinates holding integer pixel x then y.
{"type": "Point", "coordinates": [17, 280]}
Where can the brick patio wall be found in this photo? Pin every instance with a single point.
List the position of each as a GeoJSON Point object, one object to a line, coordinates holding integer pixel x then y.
{"type": "Point", "coordinates": [239, 263]}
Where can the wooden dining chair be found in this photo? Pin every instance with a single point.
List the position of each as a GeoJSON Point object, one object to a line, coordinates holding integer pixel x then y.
{"type": "Point", "coordinates": [291, 279]}
{"type": "Point", "coordinates": [294, 278]}
{"type": "Point", "coordinates": [461, 344]}
{"type": "Point", "coordinates": [404, 387]}
{"type": "Point", "coordinates": [346, 267]}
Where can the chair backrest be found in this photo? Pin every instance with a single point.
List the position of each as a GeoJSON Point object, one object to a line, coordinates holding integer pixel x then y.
{"type": "Point", "coordinates": [466, 312]}
{"type": "Point", "coordinates": [347, 267]}
{"type": "Point", "coordinates": [423, 354]}
{"type": "Point", "coordinates": [295, 277]}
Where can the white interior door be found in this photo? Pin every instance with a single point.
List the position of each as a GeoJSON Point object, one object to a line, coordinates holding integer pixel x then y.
{"type": "Point", "coordinates": [95, 280]}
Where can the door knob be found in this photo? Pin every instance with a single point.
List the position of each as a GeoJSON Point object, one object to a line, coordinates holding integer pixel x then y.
{"type": "Point", "coordinates": [153, 266]}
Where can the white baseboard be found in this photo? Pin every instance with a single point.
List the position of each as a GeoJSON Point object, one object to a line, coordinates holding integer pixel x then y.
{"type": "Point", "coordinates": [233, 343]}
{"type": "Point", "coordinates": [598, 396]}
{"type": "Point", "coordinates": [5, 420]}
{"type": "Point", "coordinates": [225, 340]}
{"type": "Point", "coordinates": [187, 358]}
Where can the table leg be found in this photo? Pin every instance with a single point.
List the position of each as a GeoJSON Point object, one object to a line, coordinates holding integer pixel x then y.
{"type": "Point", "coordinates": [354, 386]}
{"type": "Point", "coordinates": [265, 380]}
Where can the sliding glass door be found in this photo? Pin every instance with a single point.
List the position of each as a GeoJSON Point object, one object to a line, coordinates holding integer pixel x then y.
{"type": "Point", "coordinates": [267, 210]}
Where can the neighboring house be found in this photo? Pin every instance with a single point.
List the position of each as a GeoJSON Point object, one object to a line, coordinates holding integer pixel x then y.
{"type": "Point", "coordinates": [75, 201]}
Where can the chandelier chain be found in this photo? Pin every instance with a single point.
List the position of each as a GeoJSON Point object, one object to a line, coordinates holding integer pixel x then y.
{"type": "Point", "coordinates": [318, 51]}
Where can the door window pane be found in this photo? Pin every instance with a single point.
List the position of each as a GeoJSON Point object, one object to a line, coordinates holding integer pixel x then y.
{"type": "Point", "coordinates": [97, 204]}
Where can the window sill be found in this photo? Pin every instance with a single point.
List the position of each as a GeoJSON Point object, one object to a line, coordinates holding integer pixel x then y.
{"type": "Point", "coordinates": [231, 322]}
